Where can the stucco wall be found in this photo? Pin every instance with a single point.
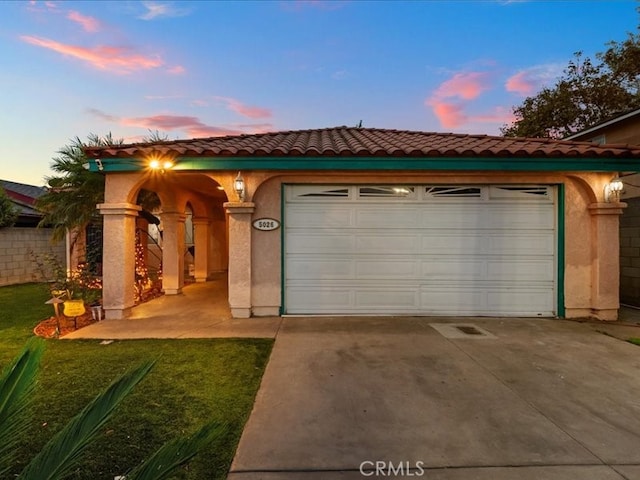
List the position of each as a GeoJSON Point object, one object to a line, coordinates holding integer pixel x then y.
{"type": "Point", "coordinates": [580, 230]}
{"type": "Point", "coordinates": [16, 248]}
{"type": "Point", "coordinates": [591, 273]}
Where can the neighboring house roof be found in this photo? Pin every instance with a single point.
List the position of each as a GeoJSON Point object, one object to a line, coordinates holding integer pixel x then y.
{"type": "Point", "coordinates": [604, 124]}
{"type": "Point", "coordinates": [24, 197]}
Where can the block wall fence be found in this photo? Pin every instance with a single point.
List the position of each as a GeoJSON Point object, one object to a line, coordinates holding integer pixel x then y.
{"type": "Point", "coordinates": [17, 246]}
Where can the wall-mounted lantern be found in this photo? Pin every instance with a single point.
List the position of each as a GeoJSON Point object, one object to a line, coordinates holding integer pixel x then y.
{"type": "Point", "coordinates": [612, 190]}
{"type": "Point", "coordinates": [238, 186]}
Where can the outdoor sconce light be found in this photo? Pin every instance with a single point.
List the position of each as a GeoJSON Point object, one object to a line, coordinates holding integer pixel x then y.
{"type": "Point", "coordinates": [238, 186]}
{"type": "Point", "coordinates": [612, 190]}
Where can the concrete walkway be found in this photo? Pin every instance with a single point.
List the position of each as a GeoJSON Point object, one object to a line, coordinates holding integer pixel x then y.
{"type": "Point", "coordinates": [354, 398]}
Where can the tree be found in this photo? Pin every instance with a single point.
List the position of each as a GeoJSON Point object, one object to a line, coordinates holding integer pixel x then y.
{"type": "Point", "coordinates": [73, 194]}
{"type": "Point", "coordinates": [586, 94]}
{"type": "Point", "coordinates": [8, 211]}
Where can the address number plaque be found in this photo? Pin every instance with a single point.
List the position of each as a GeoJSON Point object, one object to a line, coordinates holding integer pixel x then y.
{"type": "Point", "coordinates": [266, 224]}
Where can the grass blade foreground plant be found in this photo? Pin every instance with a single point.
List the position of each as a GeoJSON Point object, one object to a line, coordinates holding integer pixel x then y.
{"type": "Point", "coordinates": [16, 387]}
{"type": "Point", "coordinates": [62, 452]}
{"type": "Point", "coordinates": [176, 453]}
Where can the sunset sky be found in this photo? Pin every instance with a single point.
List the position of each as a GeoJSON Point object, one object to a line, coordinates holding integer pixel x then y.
{"type": "Point", "coordinates": [199, 69]}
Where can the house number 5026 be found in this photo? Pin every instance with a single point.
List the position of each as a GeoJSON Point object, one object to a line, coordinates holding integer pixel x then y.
{"type": "Point", "coordinates": [266, 224]}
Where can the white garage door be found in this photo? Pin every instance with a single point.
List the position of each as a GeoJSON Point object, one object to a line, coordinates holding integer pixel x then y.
{"type": "Point", "coordinates": [421, 250]}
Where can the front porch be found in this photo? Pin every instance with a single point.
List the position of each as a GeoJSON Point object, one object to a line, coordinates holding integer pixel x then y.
{"type": "Point", "coordinates": [200, 311]}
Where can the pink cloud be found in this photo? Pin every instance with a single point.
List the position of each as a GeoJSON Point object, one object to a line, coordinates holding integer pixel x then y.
{"type": "Point", "coordinates": [199, 102]}
{"type": "Point", "coordinates": [193, 126]}
{"type": "Point", "coordinates": [177, 70]}
{"type": "Point", "coordinates": [89, 24]}
{"type": "Point", "coordinates": [209, 131]}
{"type": "Point", "coordinates": [164, 122]}
{"type": "Point", "coordinates": [39, 7]}
{"type": "Point", "coordinates": [162, 9]}
{"type": "Point", "coordinates": [245, 110]}
{"type": "Point", "coordinates": [519, 83]}
{"type": "Point", "coordinates": [498, 115]}
{"type": "Point", "coordinates": [256, 127]}
{"type": "Point", "coordinates": [529, 81]}
{"type": "Point", "coordinates": [450, 100]}
{"type": "Point", "coordinates": [452, 115]}
{"type": "Point", "coordinates": [162, 97]}
{"type": "Point", "coordinates": [112, 59]}
{"type": "Point", "coordinates": [449, 115]}
{"type": "Point", "coordinates": [463, 85]}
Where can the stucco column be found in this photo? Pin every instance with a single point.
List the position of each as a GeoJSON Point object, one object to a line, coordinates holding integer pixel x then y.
{"type": "Point", "coordinates": [240, 257]}
{"type": "Point", "coordinates": [118, 265]}
{"type": "Point", "coordinates": [605, 260]}
{"type": "Point", "coordinates": [201, 233]}
{"type": "Point", "coordinates": [218, 252]}
{"type": "Point", "coordinates": [173, 250]}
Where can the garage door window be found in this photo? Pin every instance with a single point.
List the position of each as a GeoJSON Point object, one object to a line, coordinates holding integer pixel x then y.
{"type": "Point", "coordinates": [397, 191]}
{"type": "Point", "coordinates": [453, 192]}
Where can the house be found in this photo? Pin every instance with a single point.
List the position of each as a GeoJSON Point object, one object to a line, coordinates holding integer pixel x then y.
{"type": "Point", "coordinates": [24, 198]}
{"type": "Point", "coordinates": [365, 221]}
{"type": "Point", "coordinates": [624, 129]}
{"type": "Point", "coordinates": [23, 241]}
{"type": "Point", "coordinates": [621, 129]}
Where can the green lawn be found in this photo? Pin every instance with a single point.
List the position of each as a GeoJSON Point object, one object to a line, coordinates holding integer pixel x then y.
{"type": "Point", "coordinates": [193, 382]}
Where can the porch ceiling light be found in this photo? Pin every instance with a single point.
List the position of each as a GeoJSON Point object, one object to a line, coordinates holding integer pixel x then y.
{"type": "Point", "coordinates": [162, 165]}
{"type": "Point", "coordinates": [612, 190]}
{"type": "Point", "coordinates": [238, 186]}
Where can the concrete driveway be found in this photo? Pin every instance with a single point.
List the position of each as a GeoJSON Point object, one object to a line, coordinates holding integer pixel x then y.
{"type": "Point", "coordinates": [354, 398]}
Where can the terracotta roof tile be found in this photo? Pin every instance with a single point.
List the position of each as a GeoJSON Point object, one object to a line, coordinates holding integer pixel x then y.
{"type": "Point", "coordinates": [365, 142]}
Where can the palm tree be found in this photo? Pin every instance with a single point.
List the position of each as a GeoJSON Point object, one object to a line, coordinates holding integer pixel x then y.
{"type": "Point", "coordinates": [74, 193]}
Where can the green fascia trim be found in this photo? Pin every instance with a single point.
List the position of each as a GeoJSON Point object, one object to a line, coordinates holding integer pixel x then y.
{"type": "Point", "coordinates": [560, 253]}
{"type": "Point", "coordinates": [282, 236]}
{"type": "Point", "coordinates": [514, 164]}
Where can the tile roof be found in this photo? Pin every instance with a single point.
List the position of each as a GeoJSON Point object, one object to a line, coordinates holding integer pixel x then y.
{"type": "Point", "coordinates": [365, 142]}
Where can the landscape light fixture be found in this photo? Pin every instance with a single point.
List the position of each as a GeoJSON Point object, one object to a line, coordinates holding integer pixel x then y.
{"type": "Point", "coordinates": [612, 190]}
{"type": "Point", "coordinates": [238, 186]}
